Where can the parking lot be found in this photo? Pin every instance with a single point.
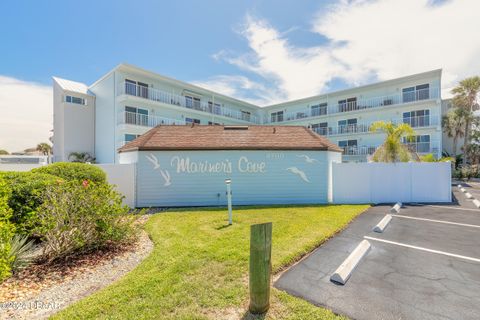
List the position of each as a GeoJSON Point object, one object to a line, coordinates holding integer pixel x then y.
{"type": "Point", "coordinates": [425, 265]}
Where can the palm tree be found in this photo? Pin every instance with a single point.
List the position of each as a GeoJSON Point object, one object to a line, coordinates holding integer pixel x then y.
{"type": "Point", "coordinates": [81, 157]}
{"type": "Point", "coordinates": [44, 148]}
{"type": "Point", "coordinates": [453, 124]}
{"type": "Point", "coordinates": [466, 98]}
{"type": "Point", "coordinates": [392, 149]}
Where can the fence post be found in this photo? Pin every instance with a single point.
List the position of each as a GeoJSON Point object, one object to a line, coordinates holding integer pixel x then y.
{"type": "Point", "coordinates": [260, 267]}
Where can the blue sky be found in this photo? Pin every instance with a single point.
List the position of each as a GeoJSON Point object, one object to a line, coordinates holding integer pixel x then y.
{"type": "Point", "coordinates": [262, 51]}
{"type": "Point", "coordinates": [82, 40]}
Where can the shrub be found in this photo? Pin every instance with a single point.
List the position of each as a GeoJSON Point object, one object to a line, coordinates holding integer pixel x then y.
{"type": "Point", "coordinates": [6, 234]}
{"type": "Point", "coordinates": [6, 231]}
{"type": "Point", "coordinates": [74, 171]}
{"type": "Point", "coordinates": [81, 216]}
{"type": "Point", "coordinates": [26, 197]}
{"type": "Point", "coordinates": [21, 252]}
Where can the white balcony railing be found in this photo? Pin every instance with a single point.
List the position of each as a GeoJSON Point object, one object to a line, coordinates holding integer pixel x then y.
{"type": "Point", "coordinates": [361, 104]}
{"type": "Point", "coordinates": [420, 148]}
{"type": "Point", "coordinates": [414, 122]}
{"type": "Point", "coordinates": [137, 119]}
{"type": "Point", "coordinates": [185, 102]}
{"type": "Point", "coordinates": [359, 150]}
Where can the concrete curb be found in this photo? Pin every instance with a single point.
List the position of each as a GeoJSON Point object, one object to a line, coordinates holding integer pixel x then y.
{"type": "Point", "coordinates": [468, 195]}
{"type": "Point", "coordinates": [396, 208]}
{"type": "Point", "coordinates": [382, 224]}
{"type": "Point", "coordinates": [344, 271]}
{"type": "Point", "coordinates": [476, 203]}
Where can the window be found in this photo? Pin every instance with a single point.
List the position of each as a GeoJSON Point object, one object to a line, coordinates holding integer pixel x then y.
{"type": "Point", "coordinates": [135, 88]}
{"type": "Point", "coordinates": [192, 102]}
{"type": "Point", "coordinates": [131, 137]}
{"type": "Point", "coordinates": [319, 109]}
{"type": "Point", "coordinates": [320, 128]}
{"type": "Point", "coordinates": [417, 118]}
{"type": "Point", "coordinates": [348, 146]}
{"type": "Point", "coordinates": [420, 92]}
{"type": "Point", "coordinates": [347, 104]}
{"type": "Point", "coordinates": [143, 90]}
{"type": "Point", "coordinates": [210, 123]}
{"type": "Point", "coordinates": [137, 116]}
{"type": "Point", "coordinates": [419, 143]}
{"type": "Point", "coordinates": [277, 116]}
{"type": "Point", "coordinates": [190, 120]}
{"type": "Point", "coordinates": [215, 108]}
{"type": "Point", "coordinates": [130, 87]}
{"type": "Point", "coordinates": [346, 126]}
{"type": "Point", "coordinates": [76, 100]}
{"type": "Point", "coordinates": [246, 115]}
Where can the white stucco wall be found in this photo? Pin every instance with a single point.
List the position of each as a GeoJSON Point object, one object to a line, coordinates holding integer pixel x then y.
{"type": "Point", "coordinates": [74, 124]}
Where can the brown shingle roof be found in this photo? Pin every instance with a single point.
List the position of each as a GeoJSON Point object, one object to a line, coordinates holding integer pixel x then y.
{"type": "Point", "coordinates": [216, 137]}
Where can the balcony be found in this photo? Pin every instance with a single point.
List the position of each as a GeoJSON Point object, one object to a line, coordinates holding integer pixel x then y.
{"type": "Point", "coordinates": [359, 151]}
{"type": "Point", "coordinates": [363, 104]}
{"type": "Point", "coordinates": [414, 122]}
{"type": "Point", "coordinates": [137, 119]}
{"type": "Point", "coordinates": [144, 92]}
{"type": "Point", "coordinates": [420, 148]}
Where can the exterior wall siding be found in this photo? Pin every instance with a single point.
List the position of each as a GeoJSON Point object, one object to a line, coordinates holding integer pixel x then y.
{"type": "Point", "coordinates": [73, 124]}
{"type": "Point", "coordinates": [112, 128]}
{"type": "Point", "coordinates": [279, 182]}
{"type": "Point", "coordinates": [105, 135]}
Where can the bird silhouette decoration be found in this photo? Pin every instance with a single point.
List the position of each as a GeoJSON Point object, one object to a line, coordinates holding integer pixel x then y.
{"type": "Point", "coordinates": [156, 165]}
{"type": "Point", "coordinates": [307, 158]}
{"type": "Point", "coordinates": [299, 173]}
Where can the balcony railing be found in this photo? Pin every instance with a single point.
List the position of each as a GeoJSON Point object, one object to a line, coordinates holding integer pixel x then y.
{"type": "Point", "coordinates": [359, 151]}
{"type": "Point", "coordinates": [362, 104]}
{"type": "Point", "coordinates": [185, 102]}
{"type": "Point", "coordinates": [420, 147]}
{"type": "Point", "coordinates": [414, 122]}
{"type": "Point", "coordinates": [137, 119]}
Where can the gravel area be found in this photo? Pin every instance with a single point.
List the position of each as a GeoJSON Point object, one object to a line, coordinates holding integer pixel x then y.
{"type": "Point", "coordinates": [79, 283]}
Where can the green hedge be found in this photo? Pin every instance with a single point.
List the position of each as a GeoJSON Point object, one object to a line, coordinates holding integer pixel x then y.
{"type": "Point", "coordinates": [26, 196]}
{"type": "Point", "coordinates": [7, 230]}
{"type": "Point", "coordinates": [76, 216]}
{"type": "Point", "coordinates": [73, 171]}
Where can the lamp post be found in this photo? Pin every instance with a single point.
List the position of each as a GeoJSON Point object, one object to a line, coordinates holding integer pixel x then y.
{"type": "Point", "coordinates": [229, 199]}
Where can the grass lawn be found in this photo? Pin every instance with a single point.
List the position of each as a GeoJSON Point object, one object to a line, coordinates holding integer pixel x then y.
{"type": "Point", "coordinates": [199, 266]}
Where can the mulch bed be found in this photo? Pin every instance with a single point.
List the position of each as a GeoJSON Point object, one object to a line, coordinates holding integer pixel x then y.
{"type": "Point", "coordinates": [63, 282]}
{"type": "Point", "coordinates": [44, 275]}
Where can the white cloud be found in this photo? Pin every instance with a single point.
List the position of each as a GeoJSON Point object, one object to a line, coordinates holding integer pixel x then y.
{"type": "Point", "coordinates": [392, 38]}
{"type": "Point", "coordinates": [367, 41]}
{"type": "Point", "coordinates": [27, 110]}
{"type": "Point", "coordinates": [241, 88]}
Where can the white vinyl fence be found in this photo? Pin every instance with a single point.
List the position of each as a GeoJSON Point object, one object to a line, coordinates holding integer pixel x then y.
{"type": "Point", "coordinates": [123, 176]}
{"type": "Point", "coordinates": [391, 182]}
{"type": "Point", "coordinates": [19, 166]}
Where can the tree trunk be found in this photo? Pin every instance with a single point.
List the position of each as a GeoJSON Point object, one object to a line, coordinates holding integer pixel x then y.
{"type": "Point", "coordinates": [455, 139]}
{"type": "Point", "coordinates": [465, 142]}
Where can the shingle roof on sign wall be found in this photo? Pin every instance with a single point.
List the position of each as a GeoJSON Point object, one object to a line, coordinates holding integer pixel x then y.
{"type": "Point", "coordinates": [216, 137]}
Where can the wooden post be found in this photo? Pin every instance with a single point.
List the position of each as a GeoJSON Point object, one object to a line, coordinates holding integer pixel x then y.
{"type": "Point", "coordinates": [260, 267]}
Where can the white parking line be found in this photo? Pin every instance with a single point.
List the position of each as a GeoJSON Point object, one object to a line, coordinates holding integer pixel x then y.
{"type": "Point", "coordinates": [447, 207]}
{"type": "Point", "coordinates": [439, 221]}
{"type": "Point", "coordinates": [423, 249]}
